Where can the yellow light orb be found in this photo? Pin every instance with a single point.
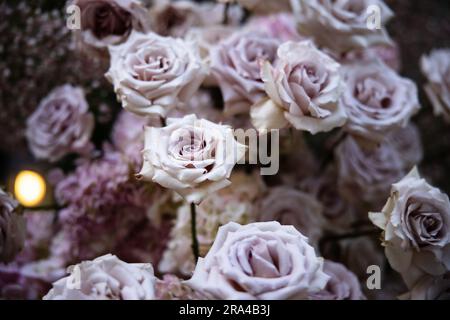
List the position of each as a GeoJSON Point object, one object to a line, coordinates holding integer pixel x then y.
{"type": "Point", "coordinates": [29, 188]}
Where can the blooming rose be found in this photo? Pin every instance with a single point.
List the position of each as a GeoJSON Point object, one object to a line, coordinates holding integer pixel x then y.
{"type": "Point", "coordinates": [235, 63]}
{"type": "Point", "coordinates": [281, 26]}
{"type": "Point", "coordinates": [436, 67]}
{"type": "Point", "coordinates": [105, 278]}
{"type": "Point", "coordinates": [60, 125]}
{"type": "Point", "coordinates": [377, 100]}
{"type": "Point", "coordinates": [262, 260]}
{"type": "Point", "coordinates": [292, 207]}
{"type": "Point", "coordinates": [343, 284]}
{"type": "Point", "coordinates": [110, 22]}
{"type": "Point", "coordinates": [12, 228]}
{"type": "Point", "coordinates": [234, 203]}
{"type": "Point", "coordinates": [430, 288]}
{"type": "Point", "coordinates": [193, 157]}
{"type": "Point", "coordinates": [304, 86]}
{"type": "Point", "coordinates": [416, 224]}
{"type": "Point", "coordinates": [366, 174]}
{"type": "Point", "coordinates": [342, 25]}
{"type": "Point", "coordinates": [152, 74]}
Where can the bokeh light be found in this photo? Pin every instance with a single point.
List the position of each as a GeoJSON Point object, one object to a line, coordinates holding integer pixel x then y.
{"type": "Point", "coordinates": [29, 188]}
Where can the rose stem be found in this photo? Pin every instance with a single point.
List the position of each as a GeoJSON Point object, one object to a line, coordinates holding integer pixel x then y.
{"type": "Point", "coordinates": [195, 249]}
{"type": "Point", "coordinates": [225, 13]}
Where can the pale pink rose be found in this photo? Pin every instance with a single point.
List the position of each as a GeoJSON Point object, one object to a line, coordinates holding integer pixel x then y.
{"type": "Point", "coordinates": [377, 100]}
{"type": "Point", "coordinates": [235, 63]}
{"type": "Point", "coordinates": [109, 22]}
{"type": "Point", "coordinates": [152, 74]}
{"type": "Point", "coordinates": [342, 25]}
{"type": "Point", "coordinates": [12, 228]}
{"type": "Point", "coordinates": [105, 278]}
{"type": "Point", "coordinates": [343, 284]}
{"type": "Point", "coordinates": [281, 26]}
{"type": "Point", "coordinates": [262, 260]}
{"type": "Point", "coordinates": [293, 207]}
{"type": "Point", "coordinates": [416, 229]}
{"type": "Point", "coordinates": [190, 156]}
{"type": "Point", "coordinates": [171, 287]}
{"type": "Point", "coordinates": [436, 67]}
{"type": "Point", "coordinates": [365, 174]}
{"type": "Point", "coordinates": [61, 124]}
{"type": "Point", "coordinates": [304, 86]}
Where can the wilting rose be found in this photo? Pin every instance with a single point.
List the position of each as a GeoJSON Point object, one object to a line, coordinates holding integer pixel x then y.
{"type": "Point", "coordinates": [262, 260]}
{"type": "Point", "coordinates": [377, 100]}
{"type": "Point", "coordinates": [12, 228]}
{"type": "Point", "coordinates": [365, 174]}
{"type": "Point", "coordinates": [61, 124]}
{"type": "Point", "coordinates": [292, 207]}
{"type": "Point", "coordinates": [105, 278]}
{"type": "Point", "coordinates": [235, 203]}
{"type": "Point", "coordinates": [110, 22]}
{"type": "Point", "coordinates": [430, 288]}
{"type": "Point", "coordinates": [343, 284]}
{"type": "Point", "coordinates": [153, 74]}
{"type": "Point", "coordinates": [342, 25]}
{"type": "Point", "coordinates": [175, 18]}
{"type": "Point", "coordinates": [191, 156]}
{"type": "Point", "coordinates": [235, 63]}
{"type": "Point", "coordinates": [304, 86]}
{"type": "Point", "coordinates": [436, 67]}
{"type": "Point", "coordinates": [416, 225]}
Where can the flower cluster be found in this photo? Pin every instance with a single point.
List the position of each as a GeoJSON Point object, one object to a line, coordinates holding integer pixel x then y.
{"type": "Point", "coordinates": [157, 133]}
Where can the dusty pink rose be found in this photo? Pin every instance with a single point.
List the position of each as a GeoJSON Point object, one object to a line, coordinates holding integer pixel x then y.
{"type": "Point", "coordinates": [61, 124]}
{"type": "Point", "coordinates": [304, 86]}
{"type": "Point", "coordinates": [262, 260]}
{"type": "Point", "coordinates": [343, 284]}
{"type": "Point", "coordinates": [235, 63]}
{"type": "Point", "coordinates": [377, 100]}
{"type": "Point", "coordinates": [110, 22]}
{"type": "Point", "coordinates": [281, 26]}
{"type": "Point", "coordinates": [436, 67]}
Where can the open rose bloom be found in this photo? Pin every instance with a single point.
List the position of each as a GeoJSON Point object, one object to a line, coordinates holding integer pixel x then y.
{"type": "Point", "coordinates": [224, 150]}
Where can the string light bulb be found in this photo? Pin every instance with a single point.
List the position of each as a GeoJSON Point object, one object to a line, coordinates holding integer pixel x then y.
{"type": "Point", "coordinates": [29, 188]}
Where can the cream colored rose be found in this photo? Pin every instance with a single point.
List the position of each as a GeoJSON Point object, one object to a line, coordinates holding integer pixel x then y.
{"type": "Point", "coordinates": [191, 156]}
{"type": "Point", "coordinates": [262, 260]}
{"type": "Point", "coordinates": [436, 67]}
{"type": "Point", "coordinates": [110, 22]}
{"type": "Point", "coordinates": [105, 278]}
{"type": "Point", "coordinates": [416, 225]}
{"type": "Point", "coordinates": [292, 207]}
{"type": "Point", "coordinates": [304, 86]}
{"type": "Point", "coordinates": [153, 74]}
{"type": "Point", "coordinates": [343, 25]}
{"type": "Point", "coordinates": [377, 100]}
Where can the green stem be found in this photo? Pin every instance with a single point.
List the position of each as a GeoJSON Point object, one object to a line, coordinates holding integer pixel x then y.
{"type": "Point", "coordinates": [195, 247]}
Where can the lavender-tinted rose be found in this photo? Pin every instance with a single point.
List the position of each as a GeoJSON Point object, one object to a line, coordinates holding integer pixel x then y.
{"type": "Point", "coordinates": [235, 63]}
{"type": "Point", "coordinates": [436, 67]}
{"type": "Point", "coordinates": [304, 86]}
{"type": "Point", "coordinates": [262, 260]}
{"type": "Point", "coordinates": [416, 224]}
{"type": "Point", "coordinates": [61, 124]}
{"type": "Point", "coordinates": [153, 74]}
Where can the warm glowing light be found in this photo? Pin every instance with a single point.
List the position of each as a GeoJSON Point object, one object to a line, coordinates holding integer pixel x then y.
{"type": "Point", "coordinates": [29, 188]}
